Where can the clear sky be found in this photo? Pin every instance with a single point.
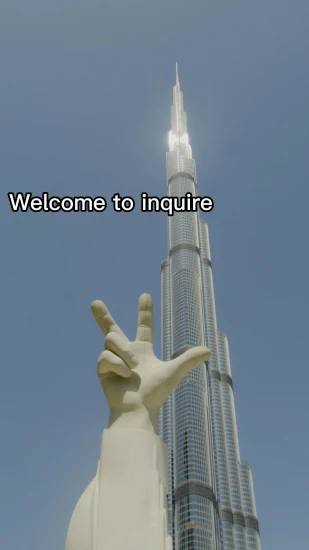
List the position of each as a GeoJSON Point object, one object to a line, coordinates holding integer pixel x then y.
{"type": "Point", "coordinates": [85, 96]}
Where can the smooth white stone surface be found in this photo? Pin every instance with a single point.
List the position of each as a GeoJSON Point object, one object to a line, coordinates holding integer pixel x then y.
{"type": "Point", "coordinates": [124, 507]}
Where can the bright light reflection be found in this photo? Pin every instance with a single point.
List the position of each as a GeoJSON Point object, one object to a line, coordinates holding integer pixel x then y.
{"type": "Point", "coordinates": [177, 138]}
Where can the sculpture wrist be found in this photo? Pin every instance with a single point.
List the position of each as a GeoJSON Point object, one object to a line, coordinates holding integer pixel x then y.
{"type": "Point", "coordinates": [140, 418]}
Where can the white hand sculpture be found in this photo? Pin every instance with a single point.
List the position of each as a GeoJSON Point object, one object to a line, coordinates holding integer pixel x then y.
{"type": "Point", "coordinates": [135, 382]}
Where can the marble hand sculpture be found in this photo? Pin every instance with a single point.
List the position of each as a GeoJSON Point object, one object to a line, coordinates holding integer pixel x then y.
{"type": "Point", "coordinates": [124, 507]}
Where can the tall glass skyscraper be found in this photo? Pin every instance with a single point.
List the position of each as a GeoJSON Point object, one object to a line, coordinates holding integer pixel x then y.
{"type": "Point", "coordinates": [211, 504]}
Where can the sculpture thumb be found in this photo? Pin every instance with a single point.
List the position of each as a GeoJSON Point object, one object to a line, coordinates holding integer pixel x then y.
{"type": "Point", "coordinates": [180, 366]}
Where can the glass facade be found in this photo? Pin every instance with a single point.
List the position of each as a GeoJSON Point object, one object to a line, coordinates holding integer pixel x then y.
{"type": "Point", "coordinates": [211, 503]}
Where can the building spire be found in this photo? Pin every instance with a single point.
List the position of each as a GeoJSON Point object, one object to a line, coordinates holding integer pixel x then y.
{"type": "Point", "coordinates": [179, 120]}
{"type": "Point", "coordinates": [177, 77]}
{"type": "Point", "coordinates": [178, 136]}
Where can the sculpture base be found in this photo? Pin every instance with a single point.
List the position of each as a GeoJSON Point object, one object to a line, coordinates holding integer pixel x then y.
{"type": "Point", "coordinates": [124, 507]}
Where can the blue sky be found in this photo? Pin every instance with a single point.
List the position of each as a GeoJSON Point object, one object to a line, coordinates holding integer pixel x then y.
{"type": "Point", "coordinates": [86, 89]}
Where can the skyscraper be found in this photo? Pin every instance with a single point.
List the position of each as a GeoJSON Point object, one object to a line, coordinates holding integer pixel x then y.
{"type": "Point", "coordinates": [211, 504]}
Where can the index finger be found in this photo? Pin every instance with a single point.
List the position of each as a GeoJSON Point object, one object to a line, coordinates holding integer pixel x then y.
{"type": "Point", "coordinates": [145, 319]}
{"type": "Point", "coordinates": [104, 319]}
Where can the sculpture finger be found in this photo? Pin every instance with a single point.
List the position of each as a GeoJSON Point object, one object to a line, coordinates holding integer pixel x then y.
{"type": "Point", "coordinates": [116, 344]}
{"type": "Point", "coordinates": [145, 319]}
{"type": "Point", "coordinates": [105, 320]}
{"type": "Point", "coordinates": [180, 366]}
{"type": "Point", "coordinates": [109, 362]}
